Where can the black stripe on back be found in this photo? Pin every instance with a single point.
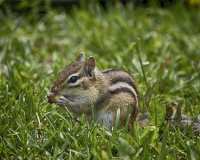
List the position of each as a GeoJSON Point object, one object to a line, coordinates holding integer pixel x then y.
{"type": "Point", "coordinates": [108, 95]}
{"type": "Point", "coordinates": [110, 70]}
{"type": "Point", "coordinates": [120, 76]}
{"type": "Point", "coordinates": [121, 90]}
{"type": "Point", "coordinates": [127, 80]}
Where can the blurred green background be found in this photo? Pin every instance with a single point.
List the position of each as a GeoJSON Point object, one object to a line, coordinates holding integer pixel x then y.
{"type": "Point", "coordinates": [158, 44]}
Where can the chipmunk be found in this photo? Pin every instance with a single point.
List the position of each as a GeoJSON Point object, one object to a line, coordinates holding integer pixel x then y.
{"type": "Point", "coordinates": [176, 118]}
{"type": "Point", "coordinates": [83, 89]}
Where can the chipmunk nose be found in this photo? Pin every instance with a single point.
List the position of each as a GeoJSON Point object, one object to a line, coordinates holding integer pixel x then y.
{"type": "Point", "coordinates": [51, 97]}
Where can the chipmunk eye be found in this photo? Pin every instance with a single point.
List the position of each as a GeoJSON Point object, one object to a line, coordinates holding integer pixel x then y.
{"type": "Point", "coordinates": [73, 79]}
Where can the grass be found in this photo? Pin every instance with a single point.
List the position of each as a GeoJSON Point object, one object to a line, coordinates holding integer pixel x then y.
{"type": "Point", "coordinates": [160, 47]}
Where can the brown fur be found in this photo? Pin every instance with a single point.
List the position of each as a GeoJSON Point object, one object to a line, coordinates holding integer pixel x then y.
{"type": "Point", "coordinates": [116, 75]}
{"type": "Point", "coordinates": [72, 68]}
{"type": "Point", "coordinates": [126, 103]}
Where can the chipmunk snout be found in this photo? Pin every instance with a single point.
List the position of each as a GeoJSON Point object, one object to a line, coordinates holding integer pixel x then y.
{"type": "Point", "coordinates": [51, 97]}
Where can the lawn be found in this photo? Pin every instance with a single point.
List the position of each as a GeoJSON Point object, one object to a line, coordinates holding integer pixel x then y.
{"type": "Point", "coordinates": [159, 47]}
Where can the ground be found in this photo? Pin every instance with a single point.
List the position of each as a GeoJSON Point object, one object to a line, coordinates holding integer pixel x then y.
{"type": "Point", "coordinates": [160, 47]}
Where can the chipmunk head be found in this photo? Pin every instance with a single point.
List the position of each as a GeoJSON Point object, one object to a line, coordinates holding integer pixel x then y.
{"type": "Point", "coordinates": [75, 86]}
{"type": "Point", "coordinates": [173, 111]}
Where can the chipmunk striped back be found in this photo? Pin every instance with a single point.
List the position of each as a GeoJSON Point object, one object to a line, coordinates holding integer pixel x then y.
{"type": "Point", "coordinates": [122, 82]}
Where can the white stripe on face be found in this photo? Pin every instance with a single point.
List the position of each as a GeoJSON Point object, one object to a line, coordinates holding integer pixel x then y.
{"type": "Point", "coordinates": [119, 85]}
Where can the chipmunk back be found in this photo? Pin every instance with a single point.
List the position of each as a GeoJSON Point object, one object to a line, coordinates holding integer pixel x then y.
{"type": "Point", "coordinates": [83, 89]}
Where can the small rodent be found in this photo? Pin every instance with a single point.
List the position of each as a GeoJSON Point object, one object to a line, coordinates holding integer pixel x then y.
{"type": "Point", "coordinates": [175, 118]}
{"type": "Point", "coordinates": [104, 95]}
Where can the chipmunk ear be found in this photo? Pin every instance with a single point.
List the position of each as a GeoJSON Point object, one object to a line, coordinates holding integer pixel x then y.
{"type": "Point", "coordinates": [90, 66]}
{"type": "Point", "coordinates": [80, 57]}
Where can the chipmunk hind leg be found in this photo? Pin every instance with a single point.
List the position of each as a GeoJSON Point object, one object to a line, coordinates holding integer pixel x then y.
{"type": "Point", "coordinates": [127, 105]}
{"type": "Point", "coordinates": [120, 111]}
